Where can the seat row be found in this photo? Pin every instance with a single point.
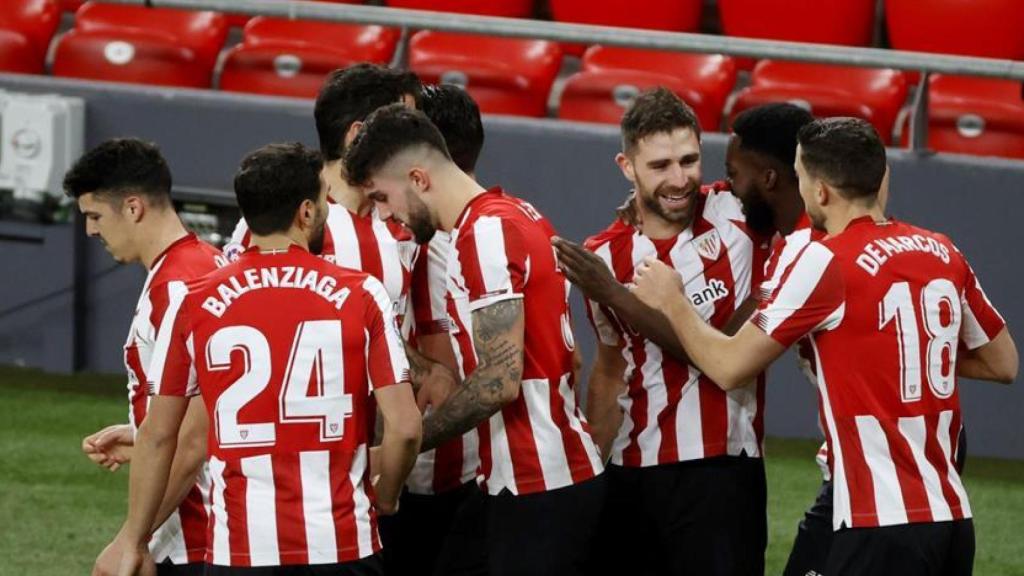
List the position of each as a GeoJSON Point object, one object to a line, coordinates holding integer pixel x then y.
{"type": "Point", "coordinates": [506, 76]}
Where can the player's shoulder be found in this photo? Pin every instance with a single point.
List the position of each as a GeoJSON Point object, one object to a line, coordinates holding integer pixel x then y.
{"type": "Point", "coordinates": [617, 230]}
{"type": "Point", "coordinates": [188, 258]}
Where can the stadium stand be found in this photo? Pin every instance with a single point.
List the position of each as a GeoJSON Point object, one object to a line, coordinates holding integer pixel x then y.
{"type": "Point", "coordinates": [291, 58]}
{"type": "Point", "coordinates": [506, 8]}
{"type": "Point", "coordinates": [988, 28]}
{"type": "Point", "coordinates": [136, 44]}
{"type": "Point", "coordinates": [612, 77]}
{"type": "Point", "coordinates": [677, 16]}
{"type": "Point", "coordinates": [26, 28]}
{"type": "Point", "coordinates": [872, 94]}
{"type": "Point", "coordinates": [504, 75]}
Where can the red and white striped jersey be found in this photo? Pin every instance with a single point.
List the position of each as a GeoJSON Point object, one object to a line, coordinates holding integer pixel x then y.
{"type": "Point", "coordinates": [672, 412]}
{"type": "Point", "coordinates": [286, 349]}
{"type": "Point", "coordinates": [501, 250]}
{"type": "Point", "coordinates": [784, 251]}
{"type": "Point", "coordinates": [183, 537]}
{"type": "Point", "coordinates": [907, 299]}
{"type": "Point", "coordinates": [457, 461]}
{"type": "Point", "coordinates": [384, 250]}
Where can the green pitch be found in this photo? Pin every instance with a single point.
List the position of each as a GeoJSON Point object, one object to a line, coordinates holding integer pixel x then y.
{"type": "Point", "coordinates": [58, 510]}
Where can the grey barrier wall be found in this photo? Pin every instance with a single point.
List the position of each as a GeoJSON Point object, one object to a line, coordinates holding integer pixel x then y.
{"type": "Point", "coordinates": [565, 169]}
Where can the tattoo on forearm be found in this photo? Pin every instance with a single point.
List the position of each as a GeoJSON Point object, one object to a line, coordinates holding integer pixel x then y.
{"type": "Point", "coordinates": [499, 364]}
{"type": "Point", "coordinates": [419, 367]}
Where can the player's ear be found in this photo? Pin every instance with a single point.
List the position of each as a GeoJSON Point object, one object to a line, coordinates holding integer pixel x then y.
{"type": "Point", "coordinates": [419, 179]}
{"type": "Point", "coordinates": [823, 193]}
{"type": "Point", "coordinates": [353, 131]}
{"type": "Point", "coordinates": [769, 178]}
{"type": "Point", "coordinates": [626, 165]}
{"type": "Point", "coordinates": [133, 208]}
{"type": "Point", "coordinates": [306, 215]}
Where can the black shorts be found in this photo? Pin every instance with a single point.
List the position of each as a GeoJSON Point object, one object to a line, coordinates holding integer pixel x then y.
{"type": "Point", "coordinates": [443, 534]}
{"type": "Point", "coordinates": [704, 517]}
{"type": "Point", "coordinates": [166, 568]}
{"type": "Point", "coordinates": [543, 534]}
{"type": "Point", "coordinates": [369, 566]}
{"type": "Point", "coordinates": [813, 537]}
{"type": "Point", "coordinates": [927, 549]}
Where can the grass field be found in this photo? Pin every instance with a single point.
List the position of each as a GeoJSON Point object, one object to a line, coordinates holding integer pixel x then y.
{"type": "Point", "coordinates": [58, 510]}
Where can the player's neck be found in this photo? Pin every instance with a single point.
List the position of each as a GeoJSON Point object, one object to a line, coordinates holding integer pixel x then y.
{"type": "Point", "coordinates": [280, 242]}
{"type": "Point", "coordinates": [459, 190]}
{"type": "Point", "coordinates": [841, 216]}
{"type": "Point", "coordinates": [789, 211]}
{"type": "Point", "coordinates": [165, 229]}
{"type": "Point", "coordinates": [342, 194]}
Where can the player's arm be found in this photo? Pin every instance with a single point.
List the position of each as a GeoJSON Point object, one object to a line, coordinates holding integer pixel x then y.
{"type": "Point", "coordinates": [996, 361]}
{"type": "Point", "coordinates": [399, 443]}
{"type": "Point", "coordinates": [432, 381]}
{"type": "Point", "coordinates": [188, 459]}
{"type": "Point", "coordinates": [110, 447]}
{"type": "Point", "coordinates": [730, 361]}
{"type": "Point", "coordinates": [498, 336]}
{"type": "Point", "coordinates": [606, 385]}
{"type": "Point", "coordinates": [588, 272]}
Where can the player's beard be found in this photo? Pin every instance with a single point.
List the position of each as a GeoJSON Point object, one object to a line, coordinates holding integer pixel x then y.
{"type": "Point", "coordinates": [817, 218]}
{"type": "Point", "coordinates": [316, 242]}
{"type": "Point", "coordinates": [759, 214]}
{"type": "Point", "coordinates": [420, 223]}
{"type": "Point", "coordinates": [650, 201]}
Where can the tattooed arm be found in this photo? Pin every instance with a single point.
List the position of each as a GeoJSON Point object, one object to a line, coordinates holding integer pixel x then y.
{"type": "Point", "coordinates": [498, 336]}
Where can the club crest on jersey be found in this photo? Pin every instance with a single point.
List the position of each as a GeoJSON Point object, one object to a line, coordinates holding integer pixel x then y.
{"type": "Point", "coordinates": [709, 245]}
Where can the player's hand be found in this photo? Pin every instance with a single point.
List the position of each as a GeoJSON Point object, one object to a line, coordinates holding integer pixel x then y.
{"type": "Point", "coordinates": [436, 389]}
{"type": "Point", "coordinates": [387, 508]}
{"type": "Point", "coordinates": [628, 213]}
{"type": "Point", "coordinates": [657, 285]}
{"type": "Point", "coordinates": [586, 270]}
{"type": "Point", "coordinates": [109, 561]}
{"type": "Point", "coordinates": [110, 447]}
{"type": "Point", "coordinates": [136, 561]}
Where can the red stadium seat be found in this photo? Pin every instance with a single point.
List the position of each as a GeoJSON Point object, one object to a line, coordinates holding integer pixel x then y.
{"type": "Point", "coordinates": [676, 16]}
{"type": "Point", "coordinates": [612, 77]}
{"type": "Point", "coordinates": [976, 116]}
{"type": "Point", "coordinates": [506, 8]}
{"type": "Point", "coordinates": [26, 28]}
{"type": "Point", "coordinates": [874, 95]}
{"type": "Point", "coordinates": [988, 28]}
{"type": "Point", "coordinates": [504, 75]}
{"type": "Point", "coordinates": [846, 22]}
{"type": "Point", "coordinates": [142, 45]}
{"type": "Point", "coordinates": [291, 58]}
{"type": "Point", "coordinates": [71, 5]}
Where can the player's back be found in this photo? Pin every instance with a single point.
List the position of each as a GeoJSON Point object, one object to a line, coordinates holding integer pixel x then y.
{"type": "Point", "coordinates": [888, 373]}
{"type": "Point", "coordinates": [283, 344]}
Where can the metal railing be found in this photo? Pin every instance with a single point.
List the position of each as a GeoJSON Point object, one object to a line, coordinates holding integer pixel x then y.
{"type": "Point", "coordinates": [626, 37]}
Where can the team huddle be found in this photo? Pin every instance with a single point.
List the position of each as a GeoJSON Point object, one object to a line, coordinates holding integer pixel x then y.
{"type": "Point", "coordinates": [377, 375]}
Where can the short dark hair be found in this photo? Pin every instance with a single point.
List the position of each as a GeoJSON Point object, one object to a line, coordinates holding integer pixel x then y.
{"type": "Point", "coordinates": [120, 167]}
{"type": "Point", "coordinates": [386, 133]}
{"type": "Point", "coordinates": [273, 181]}
{"type": "Point", "coordinates": [771, 130]}
{"type": "Point", "coordinates": [846, 153]}
{"type": "Point", "coordinates": [349, 95]}
{"type": "Point", "coordinates": [457, 116]}
{"type": "Point", "coordinates": [655, 111]}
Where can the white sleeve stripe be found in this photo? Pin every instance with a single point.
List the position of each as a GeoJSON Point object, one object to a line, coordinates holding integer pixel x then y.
{"type": "Point", "coordinates": [176, 292]}
{"type": "Point", "coordinates": [491, 256]}
{"type": "Point", "coordinates": [971, 332]}
{"type": "Point", "coordinates": [803, 279]}
{"type": "Point", "coordinates": [396, 351]}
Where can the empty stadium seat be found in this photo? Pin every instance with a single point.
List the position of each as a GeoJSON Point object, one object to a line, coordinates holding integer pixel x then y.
{"type": "Point", "coordinates": [979, 116]}
{"type": "Point", "coordinates": [612, 77]}
{"type": "Point", "coordinates": [71, 5]}
{"type": "Point", "coordinates": [874, 95]}
{"type": "Point", "coordinates": [142, 45]}
{"type": "Point", "coordinates": [506, 8]}
{"type": "Point", "coordinates": [675, 16]}
{"type": "Point", "coordinates": [291, 58]}
{"type": "Point", "coordinates": [26, 28]}
{"type": "Point", "coordinates": [504, 75]}
{"type": "Point", "coordinates": [846, 22]}
{"type": "Point", "coordinates": [988, 28]}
